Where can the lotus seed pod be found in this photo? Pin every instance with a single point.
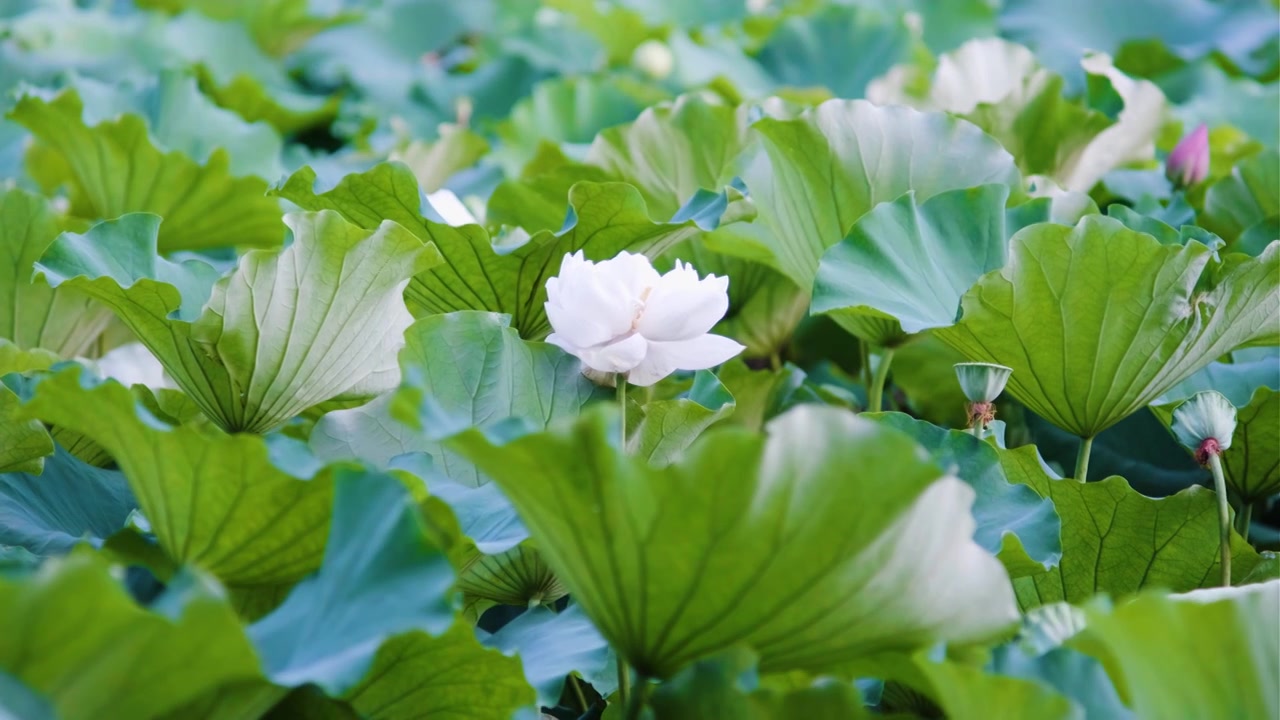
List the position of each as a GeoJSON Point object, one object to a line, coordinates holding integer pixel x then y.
{"type": "Point", "coordinates": [1205, 423]}
{"type": "Point", "coordinates": [982, 382]}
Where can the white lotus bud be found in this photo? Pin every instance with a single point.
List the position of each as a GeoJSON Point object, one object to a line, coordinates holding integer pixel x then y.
{"type": "Point", "coordinates": [1205, 424]}
{"type": "Point", "coordinates": [621, 316]}
{"type": "Point", "coordinates": [653, 58]}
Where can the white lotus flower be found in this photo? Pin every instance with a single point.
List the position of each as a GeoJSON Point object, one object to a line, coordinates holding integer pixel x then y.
{"type": "Point", "coordinates": [621, 316]}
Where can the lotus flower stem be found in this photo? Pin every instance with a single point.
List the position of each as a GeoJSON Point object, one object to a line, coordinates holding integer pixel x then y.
{"type": "Point", "coordinates": [1224, 516]}
{"type": "Point", "coordinates": [875, 393]}
{"type": "Point", "coordinates": [1243, 519]}
{"type": "Point", "coordinates": [624, 672]}
{"type": "Point", "coordinates": [1082, 459]}
{"type": "Point", "coordinates": [620, 381]}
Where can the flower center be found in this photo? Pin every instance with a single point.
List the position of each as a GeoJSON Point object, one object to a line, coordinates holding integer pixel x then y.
{"type": "Point", "coordinates": [639, 312]}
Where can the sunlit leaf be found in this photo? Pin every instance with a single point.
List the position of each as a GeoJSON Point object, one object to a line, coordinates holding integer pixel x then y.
{"type": "Point", "coordinates": [1220, 644]}
{"type": "Point", "coordinates": [1117, 541]}
{"type": "Point", "coordinates": [1097, 320]}
{"type": "Point", "coordinates": [214, 501]}
{"type": "Point", "coordinates": [203, 205]}
{"type": "Point", "coordinates": [665, 606]}
{"type": "Point", "coordinates": [281, 333]}
{"type": "Point", "coordinates": [814, 176]}
{"type": "Point", "coordinates": [73, 633]}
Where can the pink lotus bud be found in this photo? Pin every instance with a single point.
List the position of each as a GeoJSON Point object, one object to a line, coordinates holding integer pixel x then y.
{"type": "Point", "coordinates": [1188, 164]}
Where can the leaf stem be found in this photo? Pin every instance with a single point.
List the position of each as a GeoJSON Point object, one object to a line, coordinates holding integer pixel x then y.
{"type": "Point", "coordinates": [775, 361]}
{"type": "Point", "coordinates": [577, 693]}
{"type": "Point", "coordinates": [875, 394]}
{"type": "Point", "coordinates": [624, 683]}
{"type": "Point", "coordinates": [1224, 516]}
{"type": "Point", "coordinates": [638, 700]}
{"type": "Point", "coordinates": [864, 363]}
{"type": "Point", "coordinates": [1082, 459]}
{"type": "Point", "coordinates": [1243, 519]}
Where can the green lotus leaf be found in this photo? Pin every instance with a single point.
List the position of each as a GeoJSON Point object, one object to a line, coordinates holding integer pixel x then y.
{"type": "Point", "coordinates": [673, 150]}
{"type": "Point", "coordinates": [570, 109]}
{"type": "Point", "coordinates": [806, 52]}
{"type": "Point", "coordinates": [999, 86]}
{"type": "Point", "coordinates": [235, 72]}
{"type": "Point", "coordinates": [1097, 320]}
{"type": "Point", "coordinates": [1117, 541]}
{"type": "Point", "coordinates": [726, 687]}
{"type": "Point", "coordinates": [812, 177]}
{"type": "Point", "coordinates": [249, 698]}
{"type": "Point", "coordinates": [73, 633]}
{"type": "Point", "coordinates": [1231, 105]}
{"type": "Point", "coordinates": [69, 502]}
{"type": "Point", "coordinates": [1237, 377]}
{"type": "Point", "coordinates": [517, 577]}
{"type": "Point", "coordinates": [24, 443]}
{"type": "Point", "coordinates": [278, 26]}
{"type": "Point", "coordinates": [765, 307]}
{"type": "Point", "coordinates": [382, 576]}
{"type": "Point", "coordinates": [179, 117]}
{"type": "Point", "coordinates": [1222, 645]}
{"type": "Point", "coordinates": [1000, 508]}
{"type": "Point", "coordinates": [923, 685]}
{"type": "Point", "coordinates": [551, 645]}
{"type": "Point", "coordinates": [214, 501]}
{"type": "Point", "coordinates": [32, 314]}
{"type": "Point", "coordinates": [534, 202]}
{"type": "Point", "coordinates": [203, 205]}
{"type": "Point", "coordinates": [433, 163]}
{"type": "Point", "coordinates": [461, 370]}
{"type": "Point", "coordinates": [1250, 465]}
{"type": "Point", "coordinates": [469, 369]}
{"type": "Point", "coordinates": [19, 701]}
{"type": "Point", "coordinates": [281, 333]}
{"type": "Point", "coordinates": [665, 428]}
{"type": "Point", "coordinates": [719, 530]}
{"type": "Point", "coordinates": [1061, 32]}
{"type": "Point", "coordinates": [1244, 207]}
{"type": "Point", "coordinates": [604, 219]}
{"type": "Point", "coordinates": [924, 370]}
{"type": "Point", "coordinates": [1161, 230]}
{"type": "Point", "coordinates": [1267, 569]}
{"type": "Point", "coordinates": [912, 263]}
{"type": "Point", "coordinates": [415, 675]}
